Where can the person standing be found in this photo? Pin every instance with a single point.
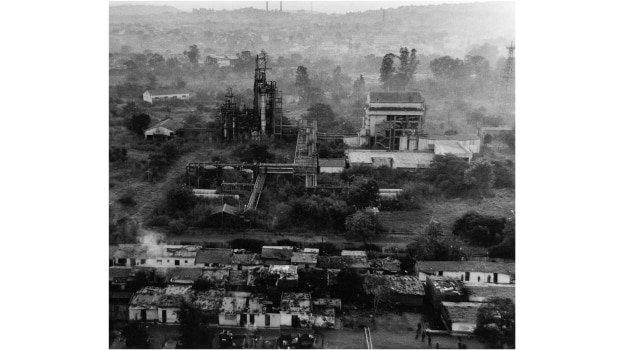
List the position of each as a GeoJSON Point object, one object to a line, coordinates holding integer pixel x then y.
{"type": "Point", "coordinates": [422, 337]}
{"type": "Point", "coordinates": [429, 340]}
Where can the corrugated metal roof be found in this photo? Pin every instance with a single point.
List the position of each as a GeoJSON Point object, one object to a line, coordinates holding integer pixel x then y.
{"type": "Point", "coordinates": [214, 256]}
{"type": "Point", "coordinates": [164, 92]}
{"type": "Point", "coordinates": [168, 123]}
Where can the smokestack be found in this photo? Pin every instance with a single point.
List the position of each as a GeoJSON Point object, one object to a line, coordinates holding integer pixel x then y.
{"type": "Point", "coordinates": [267, 6]}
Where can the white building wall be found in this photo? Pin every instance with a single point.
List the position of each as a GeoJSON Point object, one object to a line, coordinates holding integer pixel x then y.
{"type": "Point", "coordinates": [331, 170]}
{"type": "Point", "coordinates": [170, 262]}
{"type": "Point", "coordinates": [135, 314]}
{"type": "Point", "coordinates": [462, 327]}
{"type": "Point", "coordinates": [286, 319]}
{"type": "Point", "coordinates": [147, 97]}
{"type": "Point", "coordinates": [171, 315]}
{"type": "Point", "coordinates": [475, 277]}
{"type": "Point", "coordinates": [229, 320]}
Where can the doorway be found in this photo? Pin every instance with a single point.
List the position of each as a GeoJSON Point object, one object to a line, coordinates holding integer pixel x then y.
{"type": "Point", "coordinates": [144, 315]}
{"type": "Point", "coordinates": [164, 313]}
{"type": "Point", "coordinates": [495, 277]}
{"type": "Point", "coordinates": [243, 321]}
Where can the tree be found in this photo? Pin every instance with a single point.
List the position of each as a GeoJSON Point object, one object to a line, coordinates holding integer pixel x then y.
{"type": "Point", "coordinates": [138, 123]}
{"type": "Point", "coordinates": [446, 172]}
{"type": "Point", "coordinates": [254, 153]}
{"type": "Point", "coordinates": [361, 225]}
{"type": "Point", "coordinates": [496, 323]}
{"type": "Point", "coordinates": [476, 67]}
{"type": "Point", "coordinates": [480, 176]}
{"type": "Point", "coordinates": [447, 68]}
{"type": "Point", "coordinates": [359, 85]}
{"type": "Point", "coordinates": [193, 53]}
{"type": "Point", "coordinates": [136, 336]}
{"type": "Point", "coordinates": [504, 174]}
{"type": "Point", "coordinates": [484, 230]}
{"type": "Point", "coordinates": [364, 195]}
{"type": "Point", "coordinates": [387, 70]}
{"type": "Point", "coordinates": [194, 331]}
{"type": "Point", "coordinates": [349, 285]}
{"type": "Point", "coordinates": [170, 150]}
{"type": "Point", "coordinates": [322, 113]}
{"type": "Point", "coordinates": [431, 246]}
{"type": "Point", "coordinates": [245, 63]}
{"type": "Point", "coordinates": [302, 82]}
{"type": "Point", "coordinates": [179, 198]}
{"type": "Point", "coordinates": [180, 83]}
{"type": "Point", "coordinates": [505, 249]}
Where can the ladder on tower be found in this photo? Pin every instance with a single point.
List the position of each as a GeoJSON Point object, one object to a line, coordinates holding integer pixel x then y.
{"type": "Point", "coordinates": [256, 192]}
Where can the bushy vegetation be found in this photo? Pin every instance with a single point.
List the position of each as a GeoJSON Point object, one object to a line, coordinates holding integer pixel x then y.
{"type": "Point", "coordinates": [483, 230]}
{"type": "Point", "coordinates": [496, 324]}
{"type": "Point", "coordinates": [249, 244]}
{"type": "Point", "coordinates": [254, 153]}
{"type": "Point", "coordinates": [431, 246]}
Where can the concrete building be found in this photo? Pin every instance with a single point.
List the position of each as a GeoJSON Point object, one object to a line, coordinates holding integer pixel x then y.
{"type": "Point", "coordinates": [385, 266]}
{"type": "Point", "coordinates": [393, 120]}
{"type": "Point", "coordinates": [393, 160]}
{"type": "Point", "coordinates": [469, 271]}
{"type": "Point", "coordinates": [331, 165]}
{"type": "Point", "coordinates": [165, 129]}
{"type": "Point", "coordinates": [440, 288]}
{"type": "Point", "coordinates": [159, 95]}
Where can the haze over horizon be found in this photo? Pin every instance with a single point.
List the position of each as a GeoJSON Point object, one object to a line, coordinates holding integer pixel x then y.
{"type": "Point", "coordinates": [330, 7]}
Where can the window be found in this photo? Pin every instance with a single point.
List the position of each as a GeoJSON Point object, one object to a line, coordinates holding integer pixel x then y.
{"type": "Point", "coordinates": [142, 261]}
{"type": "Point", "coordinates": [267, 320]}
{"type": "Point", "coordinates": [252, 318]}
{"type": "Point", "coordinates": [185, 261]}
{"type": "Point", "coordinates": [176, 262]}
{"type": "Point", "coordinates": [467, 276]}
{"type": "Point", "coordinates": [440, 273]}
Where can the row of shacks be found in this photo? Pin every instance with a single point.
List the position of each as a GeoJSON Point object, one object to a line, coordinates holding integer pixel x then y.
{"type": "Point", "coordinates": [286, 287]}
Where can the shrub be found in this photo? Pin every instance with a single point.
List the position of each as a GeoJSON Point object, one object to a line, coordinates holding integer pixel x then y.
{"type": "Point", "coordinates": [177, 227]}
{"type": "Point", "coordinates": [479, 229]}
{"type": "Point", "coordinates": [179, 198]}
{"type": "Point", "coordinates": [118, 154]}
{"type": "Point", "coordinates": [504, 174]}
{"type": "Point", "coordinates": [138, 123]}
{"type": "Point", "coordinates": [254, 153]}
{"type": "Point", "coordinates": [447, 174]}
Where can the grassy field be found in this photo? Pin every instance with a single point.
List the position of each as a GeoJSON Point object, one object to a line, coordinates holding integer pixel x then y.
{"type": "Point", "coordinates": [447, 211]}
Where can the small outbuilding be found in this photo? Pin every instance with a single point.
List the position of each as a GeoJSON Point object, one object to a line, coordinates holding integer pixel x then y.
{"type": "Point", "coordinates": [159, 95]}
{"type": "Point", "coordinates": [165, 129]}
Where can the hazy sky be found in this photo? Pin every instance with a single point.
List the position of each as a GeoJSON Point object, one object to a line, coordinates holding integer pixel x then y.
{"type": "Point", "coordinates": [318, 6]}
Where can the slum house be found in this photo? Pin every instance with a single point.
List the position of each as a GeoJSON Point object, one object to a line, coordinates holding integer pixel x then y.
{"type": "Point", "coordinates": [127, 255]}
{"type": "Point", "coordinates": [163, 130]}
{"type": "Point", "coordinates": [401, 290]}
{"type": "Point", "coordinates": [230, 311]}
{"type": "Point", "coordinates": [180, 275]}
{"type": "Point", "coordinates": [245, 261]}
{"type": "Point", "coordinates": [315, 280]}
{"type": "Point", "coordinates": [209, 302]}
{"type": "Point", "coordinates": [118, 277]}
{"type": "Point", "coordinates": [337, 263]}
{"type": "Point", "coordinates": [159, 95]}
{"type": "Point", "coordinates": [261, 313]}
{"type": "Point", "coordinates": [325, 312]}
{"type": "Point", "coordinates": [460, 317]}
{"type": "Point", "coordinates": [483, 293]}
{"type": "Point", "coordinates": [216, 277]}
{"type": "Point", "coordinates": [171, 301]}
{"type": "Point", "coordinates": [214, 257]}
{"type": "Point", "coordinates": [144, 304]}
{"type": "Point", "coordinates": [118, 304]}
{"type": "Point", "coordinates": [225, 215]}
{"type": "Point", "coordinates": [441, 288]}
{"type": "Point", "coordinates": [385, 266]}
{"type": "Point", "coordinates": [276, 255]}
{"type": "Point", "coordinates": [353, 253]}
{"type": "Point", "coordinates": [237, 280]}
{"type": "Point", "coordinates": [303, 260]}
{"type": "Point", "coordinates": [285, 275]}
{"type": "Point", "coordinates": [295, 310]}
{"type": "Point", "coordinates": [469, 271]}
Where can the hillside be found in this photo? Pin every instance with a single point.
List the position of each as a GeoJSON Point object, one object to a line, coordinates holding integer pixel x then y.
{"type": "Point", "coordinates": [141, 10]}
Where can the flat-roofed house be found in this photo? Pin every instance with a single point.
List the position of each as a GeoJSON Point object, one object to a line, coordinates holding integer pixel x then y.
{"type": "Point", "coordinates": [337, 263]}
{"type": "Point", "coordinates": [331, 165]}
{"type": "Point", "coordinates": [158, 95]}
{"type": "Point", "coordinates": [144, 304]}
{"type": "Point", "coordinates": [469, 271]}
{"type": "Point", "coordinates": [230, 311]}
{"type": "Point", "coordinates": [276, 255]}
{"type": "Point", "coordinates": [304, 260]}
{"type": "Point", "coordinates": [295, 310]}
{"type": "Point", "coordinates": [165, 129]}
{"type": "Point", "coordinates": [441, 288]}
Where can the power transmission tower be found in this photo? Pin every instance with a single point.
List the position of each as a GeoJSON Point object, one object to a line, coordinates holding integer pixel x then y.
{"type": "Point", "coordinates": [507, 75]}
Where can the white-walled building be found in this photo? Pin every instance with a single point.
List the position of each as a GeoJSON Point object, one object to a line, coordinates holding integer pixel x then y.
{"type": "Point", "coordinates": [469, 271]}
{"type": "Point", "coordinates": [156, 255]}
{"type": "Point", "coordinates": [144, 304]}
{"type": "Point", "coordinates": [167, 129]}
{"type": "Point", "coordinates": [171, 301]}
{"type": "Point", "coordinates": [331, 165]}
{"type": "Point", "coordinates": [157, 95]}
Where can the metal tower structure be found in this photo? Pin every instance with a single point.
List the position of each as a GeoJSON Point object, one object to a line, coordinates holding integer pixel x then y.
{"type": "Point", "coordinates": [507, 75]}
